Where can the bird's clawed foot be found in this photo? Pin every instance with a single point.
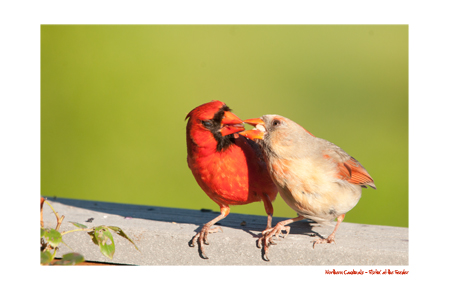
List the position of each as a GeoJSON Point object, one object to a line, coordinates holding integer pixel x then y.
{"type": "Point", "coordinates": [202, 238]}
{"type": "Point", "coordinates": [268, 238]}
{"type": "Point", "coordinates": [330, 239]}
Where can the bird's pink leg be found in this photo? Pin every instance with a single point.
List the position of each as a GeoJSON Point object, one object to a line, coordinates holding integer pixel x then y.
{"type": "Point", "coordinates": [269, 210]}
{"type": "Point", "coordinates": [267, 235]}
{"type": "Point", "coordinates": [330, 238]}
{"type": "Point", "coordinates": [203, 234]}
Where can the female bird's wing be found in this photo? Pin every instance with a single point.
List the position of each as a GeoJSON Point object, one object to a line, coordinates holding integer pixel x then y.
{"type": "Point", "coordinates": [349, 168]}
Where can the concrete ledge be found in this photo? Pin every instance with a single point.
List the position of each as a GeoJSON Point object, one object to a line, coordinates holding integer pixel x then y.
{"type": "Point", "coordinates": [162, 235]}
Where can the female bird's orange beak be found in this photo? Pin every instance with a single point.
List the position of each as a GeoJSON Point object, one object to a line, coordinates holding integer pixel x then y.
{"type": "Point", "coordinates": [254, 121]}
{"type": "Point", "coordinates": [254, 133]}
{"type": "Point", "coordinates": [231, 124]}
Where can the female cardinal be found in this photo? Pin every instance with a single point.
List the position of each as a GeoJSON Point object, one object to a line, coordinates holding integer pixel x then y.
{"type": "Point", "coordinates": [316, 178]}
{"type": "Point", "coordinates": [228, 167]}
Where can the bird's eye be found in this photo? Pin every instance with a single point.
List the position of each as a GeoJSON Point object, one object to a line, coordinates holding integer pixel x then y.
{"type": "Point", "coordinates": [207, 124]}
{"type": "Point", "coordinates": [276, 122]}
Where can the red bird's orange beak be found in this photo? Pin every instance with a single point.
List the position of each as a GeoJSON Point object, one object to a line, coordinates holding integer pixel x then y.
{"type": "Point", "coordinates": [231, 124]}
{"type": "Point", "coordinates": [254, 133]}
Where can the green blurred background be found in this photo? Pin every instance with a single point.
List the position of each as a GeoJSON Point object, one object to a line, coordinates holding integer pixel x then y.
{"type": "Point", "coordinates": [114, 99]}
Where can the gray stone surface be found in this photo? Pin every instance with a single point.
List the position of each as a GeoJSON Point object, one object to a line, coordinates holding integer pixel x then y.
{"type": "Point", "coordinates": [162, 235]}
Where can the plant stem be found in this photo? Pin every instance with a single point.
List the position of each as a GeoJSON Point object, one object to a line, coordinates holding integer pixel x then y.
{"type": "Point", "coordinates": [42, 212]}
{"type": "Point", "coordinates": [54, 253]}
{"type": "Point", "coordinates": [65, 232]}
{"type": "Point", "coordinates": [58, 219]}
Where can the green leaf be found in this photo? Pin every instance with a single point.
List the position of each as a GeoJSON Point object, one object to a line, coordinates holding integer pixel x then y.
{"type": "Point", "coordinates": [43, 231]}
{"type": "Point", "coordinates": [122, 234]}
{"type": "Point", "coordinates": [92, 235]}
{"type": "Point", "coordinates": [100, 237]}
{"type": "Point", "coordinates": [70, 259]}
{"type": "Point", "coordinates": [53, 237]}
{"type": "Point", "coordinates": [76, 224]}
{"type": "Point", "coordinates": [46, 257]}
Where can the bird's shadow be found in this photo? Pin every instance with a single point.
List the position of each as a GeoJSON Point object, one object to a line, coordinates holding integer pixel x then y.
{"type": "Point", "coordinates": [255, 224]}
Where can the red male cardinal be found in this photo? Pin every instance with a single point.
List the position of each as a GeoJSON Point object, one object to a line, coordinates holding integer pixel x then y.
{"type": "Point", "coordinates": [228, 167]}
{"type": "Point", "coordinates": [316, 178]}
